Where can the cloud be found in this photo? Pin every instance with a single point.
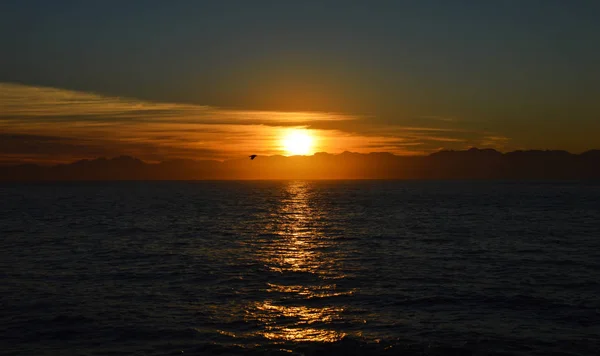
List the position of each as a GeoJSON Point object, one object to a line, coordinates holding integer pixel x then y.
{"type": "Point", "coordinates": [53, 149]}
{"type": "Point", "coordinates": [62, 125]}
{"type": "Point", "coordinates": [27, 102]}
{"type": "Point", "coordinates": [438, 118]}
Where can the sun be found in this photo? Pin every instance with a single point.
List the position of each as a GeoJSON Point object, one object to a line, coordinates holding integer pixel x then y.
{"type": "Point", "coordinates": [297, 142]}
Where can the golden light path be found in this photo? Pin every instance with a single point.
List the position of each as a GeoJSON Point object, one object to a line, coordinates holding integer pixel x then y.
{"type": "Point", "coordinates": [297, 246]}
{"type": "Point", "coordinates": [298, 142]}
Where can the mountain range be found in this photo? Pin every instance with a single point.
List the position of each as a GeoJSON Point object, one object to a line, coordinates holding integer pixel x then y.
{"type": "Point", "coordinates": [469, 164]}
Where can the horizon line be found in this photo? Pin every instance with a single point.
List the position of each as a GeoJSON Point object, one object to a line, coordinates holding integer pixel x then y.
{"type": "Point", "coordinates": [442, 151]}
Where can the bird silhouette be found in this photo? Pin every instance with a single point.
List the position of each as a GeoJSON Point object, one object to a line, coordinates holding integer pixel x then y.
{"type": "Point", "coordinates": [252, 157]}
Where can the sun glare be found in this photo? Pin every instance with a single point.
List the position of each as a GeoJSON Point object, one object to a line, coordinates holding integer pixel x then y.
{"type": "Point", "coordinates": [297, 142]}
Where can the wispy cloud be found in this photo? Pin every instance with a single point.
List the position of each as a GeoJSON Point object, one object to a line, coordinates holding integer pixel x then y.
{"type": "Point", "coordinates": [438, 118]}
{"type": "Point", "coordinates": [27, 102]}
{"type": "Point", "coordinates": [62, 125]}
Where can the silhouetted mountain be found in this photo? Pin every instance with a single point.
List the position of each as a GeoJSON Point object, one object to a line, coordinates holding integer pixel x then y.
{"type": "Point", "coordinates": [470, 164]}
{"type": "Point", "coordinates": [591, 154]}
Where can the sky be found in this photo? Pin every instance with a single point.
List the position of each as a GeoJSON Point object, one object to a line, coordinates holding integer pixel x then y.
{"type": "Point", "coordinates": [218, 79]}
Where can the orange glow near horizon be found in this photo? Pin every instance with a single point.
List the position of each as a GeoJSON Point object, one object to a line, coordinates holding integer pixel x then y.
{"type": "Point", "coordinates": [47, 125]}
{"type": "Point", "coordinates": [298, 142]}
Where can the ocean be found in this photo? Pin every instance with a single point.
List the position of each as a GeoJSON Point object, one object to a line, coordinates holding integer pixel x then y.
{"type": "Point", "coordinates": [300, 268]}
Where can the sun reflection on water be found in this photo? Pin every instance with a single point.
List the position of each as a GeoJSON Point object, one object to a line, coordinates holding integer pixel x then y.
{"type": "Point", "coordinates": [305, 323]}
{"type": "Point", "coordinates": [294, 248]}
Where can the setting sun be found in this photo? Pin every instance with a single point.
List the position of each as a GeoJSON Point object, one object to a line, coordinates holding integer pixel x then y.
{"type": "Point", "coordinates": [297, 142]}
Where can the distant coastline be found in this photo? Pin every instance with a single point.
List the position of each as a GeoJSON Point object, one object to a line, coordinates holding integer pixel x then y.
{"type": "Point", "coordinates": [469, 164]}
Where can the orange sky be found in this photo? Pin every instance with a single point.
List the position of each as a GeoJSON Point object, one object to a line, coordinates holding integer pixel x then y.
{"type": "Point", "coordinates": [215, 80]}
{"type": "Point", "coordinates": [51, 125]}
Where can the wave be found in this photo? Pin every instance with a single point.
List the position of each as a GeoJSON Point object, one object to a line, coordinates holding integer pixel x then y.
{"type": "Point", "coordinates": [359, 346]}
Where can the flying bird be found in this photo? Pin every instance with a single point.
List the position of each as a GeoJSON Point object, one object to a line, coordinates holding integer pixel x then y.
{"type": "Point", "coordinates": [252, 157]}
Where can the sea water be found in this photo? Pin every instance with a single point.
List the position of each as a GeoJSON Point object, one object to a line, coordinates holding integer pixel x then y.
{"type": "Point", "coordinates": [300, 267]}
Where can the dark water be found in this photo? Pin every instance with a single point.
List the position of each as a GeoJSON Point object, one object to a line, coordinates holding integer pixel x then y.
{"type": "Point", "coordinates": [407, 268]}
